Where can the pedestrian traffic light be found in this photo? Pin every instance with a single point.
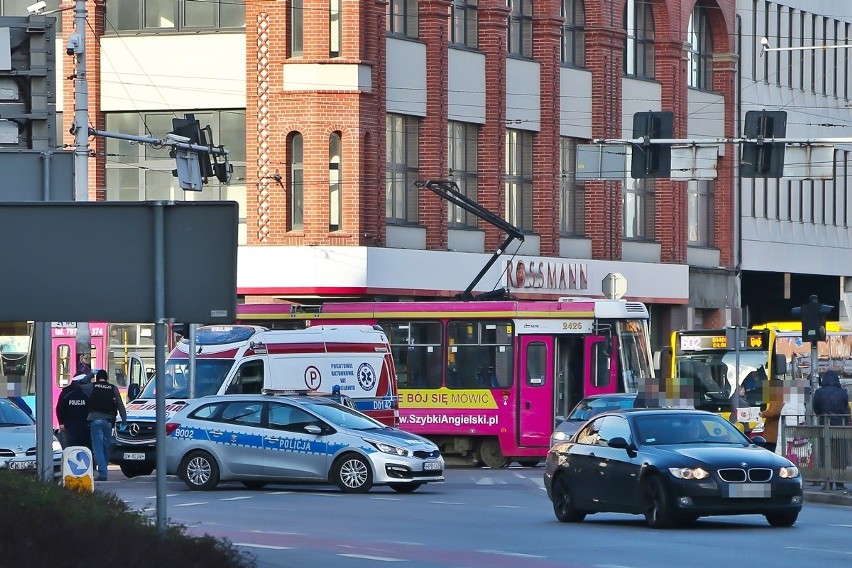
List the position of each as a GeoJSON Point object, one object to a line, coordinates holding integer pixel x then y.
{"type": "Point", "coordinates": [813, 319]}
{"type": "Point", "coordinates": [651, 160]}
{"type": "Point", "coordinates": [763, 159]}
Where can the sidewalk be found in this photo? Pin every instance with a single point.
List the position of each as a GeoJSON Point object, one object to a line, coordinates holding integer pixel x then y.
{"type": "Point", "coordinates": [816, 494]}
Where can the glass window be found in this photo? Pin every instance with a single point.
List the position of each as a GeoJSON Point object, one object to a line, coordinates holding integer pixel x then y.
{"type": "Point", "coordinates": [590, 434]}
{"type": "Point", "coordinates": [638, 214]}
{"type": "Point", "coordinates": [297, 28]}
{"type": "Point", "coordinates": [63, 365]}
{"type": "Point", "coordinates": [520, 27]}
{"type": "Point", "coordinates": [613, 427]}
{"type": "Point", "coordinates": [462, 157]}
{"type": "Point", "coordinates": [700, 208]}
{"type": "Point", "coordinates": [295, 194]}
{"type": "Point", "coordinates": [536, 370]}
{"type": "Point", "coordinates": [335, 28]}
{"type": "Point", "coordinates": [401, 168]}
{"type": "Point", "coordinates": [417, 353]}
{"type": "Point", "coordinates": [700, 53]}
{"type": "Point", "coordinates": [574, 33]}
{"type": "Point", "coordinates": [572, 193]}
{"type": "Point", "coordinates": [639, 39]}
{"type": "Point", "coordinates": [601, 365]}
{"type": "Point", "coordinates": [248, 379]}
{"type": "Point", "coordinates": [246, 413]}
{"type": "Point", "coordinates": [479, 354]}
{"type": "Point", "coordinates": [289, 418]}
{"type": "Point", "coordinates": [402, 18]}
{"type": "Point", "coordinates": [464, 27]}
{"type": "Point", "coordinates": [519, 181]}
{"type": "Point", "coordinates": [335, 193]}
{"type": "Point", "coordinates": [154, 15]}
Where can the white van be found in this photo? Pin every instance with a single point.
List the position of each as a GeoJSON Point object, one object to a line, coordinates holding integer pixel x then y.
{"type": "Point", "coordinates": [349, 360]}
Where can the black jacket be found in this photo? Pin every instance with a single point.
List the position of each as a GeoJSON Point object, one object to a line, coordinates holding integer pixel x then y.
{"type": "Point", "coordinates": [832, 400]}
{"type": "Point", "coordinates": [72, 405]}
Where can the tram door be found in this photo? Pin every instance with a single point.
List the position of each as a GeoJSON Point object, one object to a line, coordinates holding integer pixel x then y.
{"type": "Point", "coordinates": [600, 365]}
{"type": "Point", "coordinates": [568, 378]}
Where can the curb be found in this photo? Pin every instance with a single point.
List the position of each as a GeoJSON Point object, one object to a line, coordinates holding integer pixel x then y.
{"type": "Point", "coordinates": [828, 497]}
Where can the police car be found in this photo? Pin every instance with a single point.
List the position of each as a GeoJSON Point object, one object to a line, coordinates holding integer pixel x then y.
{"type": "Point", "coordinates": [259, 439]}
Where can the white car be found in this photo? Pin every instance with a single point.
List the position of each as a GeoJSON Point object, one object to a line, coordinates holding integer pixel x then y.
{"type": "Point", "coordinates": [18, 440]}
{"type": "Point", "coordinates": [259, 439]}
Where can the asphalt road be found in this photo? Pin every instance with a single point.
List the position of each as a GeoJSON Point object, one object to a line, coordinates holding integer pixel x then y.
{"type": "Point", "coordinates": [478, 518]}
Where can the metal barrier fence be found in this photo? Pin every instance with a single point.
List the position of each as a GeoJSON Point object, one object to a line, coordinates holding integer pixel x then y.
{"type": "Point", "coordinates": [823, 453]}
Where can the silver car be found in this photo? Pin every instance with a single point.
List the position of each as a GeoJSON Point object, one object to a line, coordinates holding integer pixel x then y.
{"type": "Point", "coordinates": [18, 440]}
{"type": "Point", "coordinates": [258, 439]}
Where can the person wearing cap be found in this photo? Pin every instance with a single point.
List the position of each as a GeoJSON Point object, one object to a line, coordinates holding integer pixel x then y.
{"type": "Point", "coordinates": [104, 403]}
{"type": "Point", "coordinates": [72, 412]}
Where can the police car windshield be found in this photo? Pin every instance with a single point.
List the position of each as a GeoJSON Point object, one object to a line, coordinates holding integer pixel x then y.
{"type": "Point", "coordinates": [210, 374]}
{"type": "Point", "coordinates": [339, 415]}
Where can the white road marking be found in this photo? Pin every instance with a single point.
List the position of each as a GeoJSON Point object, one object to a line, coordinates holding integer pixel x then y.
{"type": "Point", "coordinates": [510, 507]}
{"type": "Point", "coordinates": [237, 498]}
{"type": "Point", "coordinates": [512, 554]}
{"type": "Point", "coordinates": [279, 493]}
{"type": "Point", "coordinates": [403, 542]}
{"type": "Point", "coordinates": [845, 553]}
{"type": "Point", "coordinates": [167, 495]}
{"type": "Point", "coordinates": [385, 498]}
{"type": "Point", "coordinates": [844, 526]}
{"type": "Point", "coordinates": [280, 533]}
{"type": "Point", "coordinates": [490, 481]}
{"type": "Point", "coordinates": [191, 504]}
{"type": "Point", "coordinates": [252, 545]}
{"type": "Point", "coordinates": [376, 558]}
{"type": "Point", "coordinates": [446, 503]}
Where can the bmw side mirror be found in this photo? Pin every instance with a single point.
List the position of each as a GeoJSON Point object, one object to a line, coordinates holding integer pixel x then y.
{"type": "Point", "coordinates": [619, 442]}
{"type": "Point", "coordinates": [759, 441]}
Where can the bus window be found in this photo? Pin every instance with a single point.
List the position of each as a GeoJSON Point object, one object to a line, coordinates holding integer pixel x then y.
{"type": "Point", "coordinates": [417, 353]}
{"type": "Point", "coordinates": [480, 354]}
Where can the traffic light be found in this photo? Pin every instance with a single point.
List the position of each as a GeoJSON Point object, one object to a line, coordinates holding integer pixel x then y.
{"type": "Point", "coordinates": [190, 128]}
{"type": "Point", "coordinates": [652, 160]}
{"type": "Point", "coordinates": [813, 319]}
{"type": "Point", "coordinates": [763, 159]}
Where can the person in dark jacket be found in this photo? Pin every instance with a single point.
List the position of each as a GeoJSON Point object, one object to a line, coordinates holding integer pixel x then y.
{"type": "Point", "coordinates": [72, 412]}
{"type": "Point", "coordinates": [831, 404]}
{"type": "Point", "coordinates": [104, 403]}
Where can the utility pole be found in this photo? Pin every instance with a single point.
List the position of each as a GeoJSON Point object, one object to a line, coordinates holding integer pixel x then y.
{"type": "Point", "coordinates": [76, 46]}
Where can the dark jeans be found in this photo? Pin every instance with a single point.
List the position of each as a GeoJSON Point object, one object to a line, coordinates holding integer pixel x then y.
{"type": "Point", "coordinates": [101, 445]}
{"type": "Point", "coordinates": [77, 435]}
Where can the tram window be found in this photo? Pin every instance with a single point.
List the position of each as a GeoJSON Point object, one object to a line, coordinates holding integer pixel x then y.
{"type": "Point", "coordinates": [63, 365]}
{"type": "Point", "coordinates": [479, 355]}
{"type": "Point", "coordinates": [536, 364]}
{"type": "Point", "coordinates": [417, 353]}
{"type": "Point", "coordinates": [601, 367]}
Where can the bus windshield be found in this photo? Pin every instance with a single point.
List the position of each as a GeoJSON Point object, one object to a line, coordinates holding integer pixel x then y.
{"type": "Point", "coordinates": [713, 373]}
{"type": "Point", "coordinates": [211, 374]}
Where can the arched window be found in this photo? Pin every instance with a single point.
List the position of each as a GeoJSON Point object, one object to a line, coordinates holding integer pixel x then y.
{"type": "Point", "coordinates": [700, 57]}
{"type": "Point", "coordinates": [296, 183]}
{"type": "Point", "coordinates": [639, 41]}
{"type": "Point", "coordinates": [574, 33]}
{"type": "Point", "coordinates": [335, 195]}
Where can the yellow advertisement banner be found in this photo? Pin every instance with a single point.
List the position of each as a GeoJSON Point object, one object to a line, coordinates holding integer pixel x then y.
{"type": "Point", "coordinates": [446, 398]}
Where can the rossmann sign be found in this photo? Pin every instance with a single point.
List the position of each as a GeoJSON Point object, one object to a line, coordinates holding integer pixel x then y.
{"type": "Point", "coordinates": [547, 275]}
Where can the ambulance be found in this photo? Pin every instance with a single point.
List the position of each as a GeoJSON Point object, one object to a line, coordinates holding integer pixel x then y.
{"type": "Point", "coordinates": [351, 361]}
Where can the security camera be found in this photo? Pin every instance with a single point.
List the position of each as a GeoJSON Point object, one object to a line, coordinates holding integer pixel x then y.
{"type": "Point", "coordinates": [74, 45]}
{"type": "Point", "coordinates": [764, 41]}
{"type": "Point", "coordinates": [36, 8]}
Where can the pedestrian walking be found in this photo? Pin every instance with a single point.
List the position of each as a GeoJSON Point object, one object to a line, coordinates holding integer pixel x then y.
{"type": "Point", "coordinates": [831, 405]}
{"type": "Point", "coordinates": [72, 412]}
{"type": "Point", "coordinates": [772, 414]}
{"type": "Point", "coordinates": [104, 403]}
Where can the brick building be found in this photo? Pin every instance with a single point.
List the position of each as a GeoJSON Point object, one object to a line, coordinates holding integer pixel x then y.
{"type": "Point", "coordinates": [496, 95]}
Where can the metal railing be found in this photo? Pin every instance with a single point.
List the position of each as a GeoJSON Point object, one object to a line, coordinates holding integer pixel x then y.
{"type": "Point", "coordinates": [822, 452]}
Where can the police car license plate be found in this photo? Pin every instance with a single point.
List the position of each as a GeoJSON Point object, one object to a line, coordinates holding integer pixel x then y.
{"type": "Point", "coordinates": [22, 465]}
{"type": "Point", "coordinates": [431, 466]}
{"type": "Point", "coordinates": [133, 456]}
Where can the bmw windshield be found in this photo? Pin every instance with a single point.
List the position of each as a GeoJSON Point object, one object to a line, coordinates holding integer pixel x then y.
{"type": "Point", "coordinates": [211, 374]}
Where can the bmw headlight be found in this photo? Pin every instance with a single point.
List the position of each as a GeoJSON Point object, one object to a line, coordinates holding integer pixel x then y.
{"type": "Point", "coordinates": [387, 448]}
{"type": "Point", "coordinates": [689, 472]}
{"type": "Point", "coordinates": [789, 472]}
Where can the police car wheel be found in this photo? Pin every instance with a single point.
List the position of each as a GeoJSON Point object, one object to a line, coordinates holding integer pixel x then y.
{"type": "Point", "coordinates": [353, 474]}
{"type": "Point", "coordinates": [199, 471]}
{"type": "Point", "coordinates": [404, 487]}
